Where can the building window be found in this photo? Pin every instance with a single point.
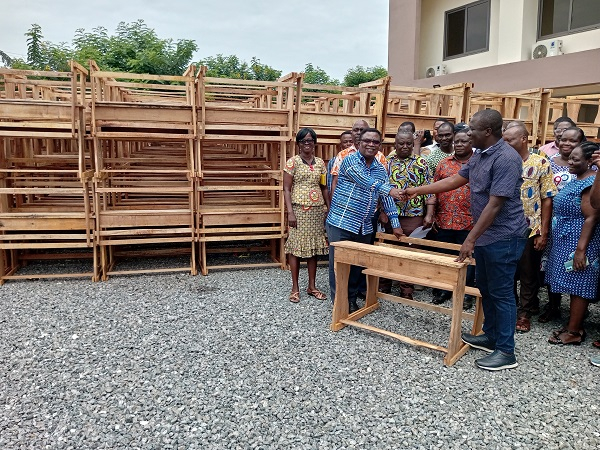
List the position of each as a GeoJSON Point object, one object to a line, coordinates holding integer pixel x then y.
{"type": "Point", "coordinates": [467, 30]}
{"type": "Point", "coordinates": [559, 17]}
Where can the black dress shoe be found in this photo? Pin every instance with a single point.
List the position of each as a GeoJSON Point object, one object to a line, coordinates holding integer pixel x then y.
{"type": "Point", "coordinates": [353, 307]}
{"type": "Point", "coordinates": [482, 342]}
{"type": "Point", "coordinates": [497, 361]}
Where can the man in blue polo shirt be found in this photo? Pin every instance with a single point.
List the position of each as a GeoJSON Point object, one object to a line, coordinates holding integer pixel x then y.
{"type": "Point", "coordinates": [362, 181]}
{"type": "Point", "coordinates": [498, 236]}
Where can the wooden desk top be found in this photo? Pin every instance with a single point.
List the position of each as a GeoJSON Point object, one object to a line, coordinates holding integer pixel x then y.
{"type": "Point", "coordinates": [440, 260]}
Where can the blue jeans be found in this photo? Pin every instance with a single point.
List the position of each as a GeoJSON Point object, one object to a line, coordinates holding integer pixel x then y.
{"type": "Point", "coordinates": [495, 271]}
{"type": "Point", "coordinates": [335, 234]}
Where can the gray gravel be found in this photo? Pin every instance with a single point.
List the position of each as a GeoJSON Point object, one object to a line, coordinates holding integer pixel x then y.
{"type": "Point", "coordinates": [225, 361]}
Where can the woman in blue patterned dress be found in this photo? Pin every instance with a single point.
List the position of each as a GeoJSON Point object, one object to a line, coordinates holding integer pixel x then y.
{"type": "Point", "coordinates": [573, 264]}
{"type": "Point", "coordinates": [559, 163]}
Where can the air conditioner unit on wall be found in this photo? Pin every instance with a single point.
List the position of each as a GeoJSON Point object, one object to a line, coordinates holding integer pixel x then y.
{"type": "Point", "coordinates": [547, 48]}
{"type": "Point", "coordinates": [435, 71]}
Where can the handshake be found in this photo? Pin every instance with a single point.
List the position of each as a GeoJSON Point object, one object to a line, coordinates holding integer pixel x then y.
{"type": "Point", "coordinates": [403, 195]}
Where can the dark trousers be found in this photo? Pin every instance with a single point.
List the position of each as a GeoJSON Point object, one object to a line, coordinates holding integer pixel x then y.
{"type": "Point", "coordinates": [495, 272]}
{"type": "Point", "coordinates": [336, 234]}
{"type": "Point", "coordinates": [452, 237]}
{"type": "Point", "coordinates": [528, 272]}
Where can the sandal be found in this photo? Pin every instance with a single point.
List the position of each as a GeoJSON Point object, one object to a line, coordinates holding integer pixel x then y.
{"type": "Point", "coordinates": [577, 338]}
{"type": "Point", "coordinates": [316, 294]}
{"type": "Point", "coordinates": [523, 325]}
{"type": "Point", "coordinates": [560, 331]}
{"type": "Point", "coordinates": [295, 297]}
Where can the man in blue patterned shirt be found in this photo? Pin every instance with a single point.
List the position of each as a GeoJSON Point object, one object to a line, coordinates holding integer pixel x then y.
{"type": "Point", "coordinates": [362, 181]}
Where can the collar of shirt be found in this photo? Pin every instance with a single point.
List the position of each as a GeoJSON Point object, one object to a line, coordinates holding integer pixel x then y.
{"type": "Point", "coordinates": [453, 156]}
{"type": "Point", "coordinates": [491, 149]}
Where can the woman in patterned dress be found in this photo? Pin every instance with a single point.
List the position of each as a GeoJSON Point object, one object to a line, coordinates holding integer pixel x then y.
{"type": "Point", "coordinates": [307, 202]}
{"type": "Point", "coordinates": [559, 163]}
{"type": "Point", "coordinates": [573, 264]}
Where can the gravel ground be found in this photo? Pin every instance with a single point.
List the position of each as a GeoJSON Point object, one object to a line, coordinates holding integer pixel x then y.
{"type": "Point", "coordinates": [226, 362]}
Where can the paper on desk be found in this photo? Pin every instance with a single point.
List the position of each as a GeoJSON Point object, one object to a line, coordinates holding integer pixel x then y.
{"type": "Point", "coordinates": [420, 232]}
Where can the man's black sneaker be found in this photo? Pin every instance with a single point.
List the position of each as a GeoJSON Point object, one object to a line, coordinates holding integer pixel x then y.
{"type": "Point", "coordinates": [497, 361]}
{"type": "Point", "coordinates": [482, 342]}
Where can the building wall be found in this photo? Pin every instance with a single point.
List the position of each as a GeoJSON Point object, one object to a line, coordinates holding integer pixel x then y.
{"type": "Point", "coordinates": [416, 41]}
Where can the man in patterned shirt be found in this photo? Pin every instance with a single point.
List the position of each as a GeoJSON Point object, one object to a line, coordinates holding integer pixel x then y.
{"type": "Point", "coordinates": [536, 194]}
{"type": "Point", "coordinates": [363, 181]}
{"type": "Point", "coordinates": [445, 138]}
{"type": "Point", "coordinates": [358, 127]}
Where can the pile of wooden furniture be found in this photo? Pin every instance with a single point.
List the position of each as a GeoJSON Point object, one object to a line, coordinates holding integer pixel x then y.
{"type": "Point", "coordinates": [114, 168]}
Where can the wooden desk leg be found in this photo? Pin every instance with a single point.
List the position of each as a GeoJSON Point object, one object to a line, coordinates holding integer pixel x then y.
{"type": "Point", "coordinates": [372, 288]}
{"type": "Point", "coordinates": [454, 341]}
{"type": "Point", "coordinates": [478, 319]}
{"type": "Point", "coordinates": [340, 304]}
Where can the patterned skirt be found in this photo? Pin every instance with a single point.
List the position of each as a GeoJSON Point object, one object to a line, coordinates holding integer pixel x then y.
{"type": "Point", "coordinates": [308, 239]}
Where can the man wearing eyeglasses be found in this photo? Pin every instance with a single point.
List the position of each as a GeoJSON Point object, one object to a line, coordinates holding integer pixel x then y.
{"type": "Point", "coordinates": [362, 182]}
{"type": "Point", "coordinates": [358, 127]}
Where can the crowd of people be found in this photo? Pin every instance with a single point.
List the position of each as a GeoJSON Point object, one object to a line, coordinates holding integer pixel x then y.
{"type": "Point", "coordinates": [527, 216]}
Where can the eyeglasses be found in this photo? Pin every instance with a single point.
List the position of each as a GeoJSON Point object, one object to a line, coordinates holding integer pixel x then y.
{"type": "Point", "coordinates": [306, 142]}
{"type": "Point", "coordinates": [371, 142]}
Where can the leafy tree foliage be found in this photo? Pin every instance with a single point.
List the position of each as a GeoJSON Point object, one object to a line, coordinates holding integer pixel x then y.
{"type": "Point", "coordinates": [133, 48]}
{"type": "Point", "coordinates": [316, 75]}
{"type": "Point", "coordinates": [232, 67]}
{"type": "Point", "coordinates": [35, 46]}
{"type": "Point", "coordinates": [360, 74]}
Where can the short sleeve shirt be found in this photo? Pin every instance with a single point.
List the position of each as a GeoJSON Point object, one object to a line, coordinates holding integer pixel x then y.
{"type": "Point", "coordinates": [538, 184]}
{"type": "Point", "coordinates": [497, 171]}
{"type": "Point", "coordinates": [434, 158]}
{"type": "Point", "coordinates": [410, 172]}
{"type": "Point", "coordinates": [306, 189]}
{"type": "Point", "coordinates": [453, 209]}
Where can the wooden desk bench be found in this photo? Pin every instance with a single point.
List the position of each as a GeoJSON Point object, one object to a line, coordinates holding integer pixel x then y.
{"type": "Point", "coordinates": [406, 265]}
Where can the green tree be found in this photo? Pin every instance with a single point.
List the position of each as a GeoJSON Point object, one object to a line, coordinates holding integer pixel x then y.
{"type": "Point", "coordinates": [262, 72]}
{"type": "Point", "coordinates": [360, 74]}
{"type": "Point", "coordinates": [231, 66]}
{"type": "Point", "coordinates": [35, 45]}
{"type": "Point", "coordinates": [133, 48]}
{"type": "Point", "coordinates": [316, 75]}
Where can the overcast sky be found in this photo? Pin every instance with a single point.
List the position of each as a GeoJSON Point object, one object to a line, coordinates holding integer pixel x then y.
{"type": "Point", "coordinates": [332, 34]}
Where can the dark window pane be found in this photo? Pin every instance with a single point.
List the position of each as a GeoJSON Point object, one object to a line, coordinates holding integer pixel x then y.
{"type": "Point", "coordinates": [555, 16]}
{"type": "Point", "coordinates": [477, 26]}
{"type": "Point", "coordinates": [455, 33]}
{"type": "Point", "coordinates": [585, 13]}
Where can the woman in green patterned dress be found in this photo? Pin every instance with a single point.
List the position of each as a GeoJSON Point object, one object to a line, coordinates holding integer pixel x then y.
{"type": "Point", "coordinates": [307, 202]}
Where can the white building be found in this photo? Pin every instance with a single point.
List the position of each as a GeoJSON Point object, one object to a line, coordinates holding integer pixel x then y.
{"type": "Point", "coordinates": [492, 42]}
